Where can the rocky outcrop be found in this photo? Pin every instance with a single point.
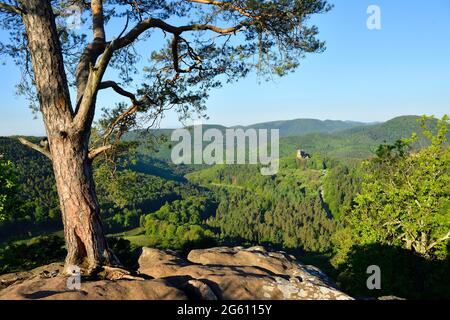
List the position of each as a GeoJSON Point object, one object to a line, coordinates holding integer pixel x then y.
{"type": "Point", "coordinates": [209, 274]}
{"type": "Point", "coordinates": [47, 283]}
{"type": "Point", "coordinates": [276, 262]}
{"type": "Point", "coordinates": [47, 271]}
{"type": "Point", "coordinates": [56, 289]}
{"type": "Point", "coordinates": [238, 273]}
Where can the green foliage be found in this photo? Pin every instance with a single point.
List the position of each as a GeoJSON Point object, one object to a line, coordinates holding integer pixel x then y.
{"type": "Point", "coordinates": [341, 185]}
{"type": "Point", "coordinates": [359, 142]}
{"type": "Point", "coordinates": [403, 273]}
{"type": "Point", "coordinates": [179, 224]}
{"type": "Point", "coordinates": [8, 188]}
{"type": "Point", "coordinates": [124, 195]}
{"type": "Point", "coordinates": [34, 205]}
{"type": "Point", "coordinates": [21, 255]}
{"type": "Point", "coordinates": [400, 221]}
{"type": "Point", "coordinates": [404, 199]}
{"type": "Point", "coordinates": [285, 210]}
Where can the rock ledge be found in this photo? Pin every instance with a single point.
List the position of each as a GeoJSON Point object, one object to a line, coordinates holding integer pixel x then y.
{"type": "Point", "coordinates": [221, 273]}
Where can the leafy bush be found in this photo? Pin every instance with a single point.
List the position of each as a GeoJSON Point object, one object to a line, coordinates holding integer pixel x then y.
{"type": "Point", "coordinates": [179, 224]}
{"type": "Point", "coordinates": [403, 273]}
{"type": "Point", "coordinates": [20, 256]}
{"type": "Point", "coordinates": [400, 221]}
{"type": "Point", "coordinates": [404, 199]}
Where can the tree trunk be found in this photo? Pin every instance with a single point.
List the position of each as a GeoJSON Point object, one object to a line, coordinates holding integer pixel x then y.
{"type": "Point", "coordinates": [85, 240]}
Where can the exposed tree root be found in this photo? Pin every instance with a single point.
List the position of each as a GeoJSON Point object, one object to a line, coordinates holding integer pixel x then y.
{"type": "Point", "coordinates": [106, 273]}
{"type": "Point", "coordinates": [115, 273]}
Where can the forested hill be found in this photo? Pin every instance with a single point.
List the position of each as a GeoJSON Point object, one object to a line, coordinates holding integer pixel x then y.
{"type": "Point", "coordinates": [299, 127]}
{"type": "Point", "coordinates": [288, 128]}
{"type": "Point", "coordinates": [341, 139]}
{"type": "Point", "coordinates": [359, 142]}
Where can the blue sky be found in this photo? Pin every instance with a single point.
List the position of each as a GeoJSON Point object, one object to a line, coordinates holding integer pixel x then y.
{"type": "Point", "coordinates": [365, 75]}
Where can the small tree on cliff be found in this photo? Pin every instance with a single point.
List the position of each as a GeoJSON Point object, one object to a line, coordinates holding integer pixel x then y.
{"type": "Point", "coordinates": [208, 43]}
{"type": "Point", "coordinates": [404, 199]}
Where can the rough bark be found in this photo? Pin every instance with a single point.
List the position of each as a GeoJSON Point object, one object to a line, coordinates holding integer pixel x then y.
{"type": "Point", "coordinates": [85, 240]}
{"type": "Point", "coordinates": [87, 246]}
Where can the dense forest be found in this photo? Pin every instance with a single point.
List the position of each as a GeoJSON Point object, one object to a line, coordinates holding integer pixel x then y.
{"type": "Point", "coordinates": [347, 206]}
{"type": "Point", "coordinates": [285, 210]}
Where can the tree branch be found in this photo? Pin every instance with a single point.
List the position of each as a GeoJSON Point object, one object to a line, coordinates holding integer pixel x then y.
{"type": "Point", "coordinates": [36, 147]}
{"type": "Point", "coordinates": [87, 104]}
{"type": "Point", "coordinates": [98, 27]}
{"type": "Point", "coordinates": [98, 151]}
{"type": "Point", "coordinates": [149, 23]}
{"type": "Point", "coordinates": [113, 85]}
{"type": "Point", "coordinates": [88, 83]}
{"type": "Point", "coordinates": [11, 8]}
{"type": "Point", "coordinates": [93, 50]}
{"type": "Point", "coordinates": [446, 237]}
{"type": "Point", "coordinates": [129, 112]}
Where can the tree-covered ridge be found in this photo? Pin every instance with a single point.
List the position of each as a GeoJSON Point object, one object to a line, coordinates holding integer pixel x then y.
{"type": "Point", "coordinates": [149, 183]}
{"type": "Point", "coordinates": [360, 142]}
{"type": "Point", "coordinates": [340, 186]}
{"type": "Point", "coordinates": [285, 210]}
{"type": "Point", "coordinates": [335, 139]}
{"type": "Point", "coordinates": [36, 205]}
{"type": "Point", "coordinates": [300, 127]}
{"type": "Point", "coordinates": [128, 195]}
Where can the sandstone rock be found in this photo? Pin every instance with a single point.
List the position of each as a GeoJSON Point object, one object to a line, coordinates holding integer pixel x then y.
{"type": "Point", "coordinates": [238, 273]}
{"type": "Point", "coordinates": [157, 263]}
{"type": "Point", "coordinates": [278, 263]}
{"type": "Point", "coordinates": [204, 291]}
{"type": "Point", "coordinates": [46, 271]}
{"type": "Point", "coordinates": [210, 274]}
{"type": "Point", "coordinates": [56, 289]}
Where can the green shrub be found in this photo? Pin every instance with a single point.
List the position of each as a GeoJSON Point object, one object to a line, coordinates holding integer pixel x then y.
{"type": "Point", "coordinates": [403, 273]}
{"type": "Point", "coordinates": [20, 256]}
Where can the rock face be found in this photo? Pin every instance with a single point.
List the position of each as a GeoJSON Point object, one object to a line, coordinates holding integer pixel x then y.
{"type": "Point", "coordinates": [238, 273]}
{"type": "Point", "coordinates": [210, 274]}
{"type": "Point", "coordinates": [55, 289]}
{"type": "Point", "coordinates": [47, 283]}
{"type": "Point", "coordinates": [47, 271]}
